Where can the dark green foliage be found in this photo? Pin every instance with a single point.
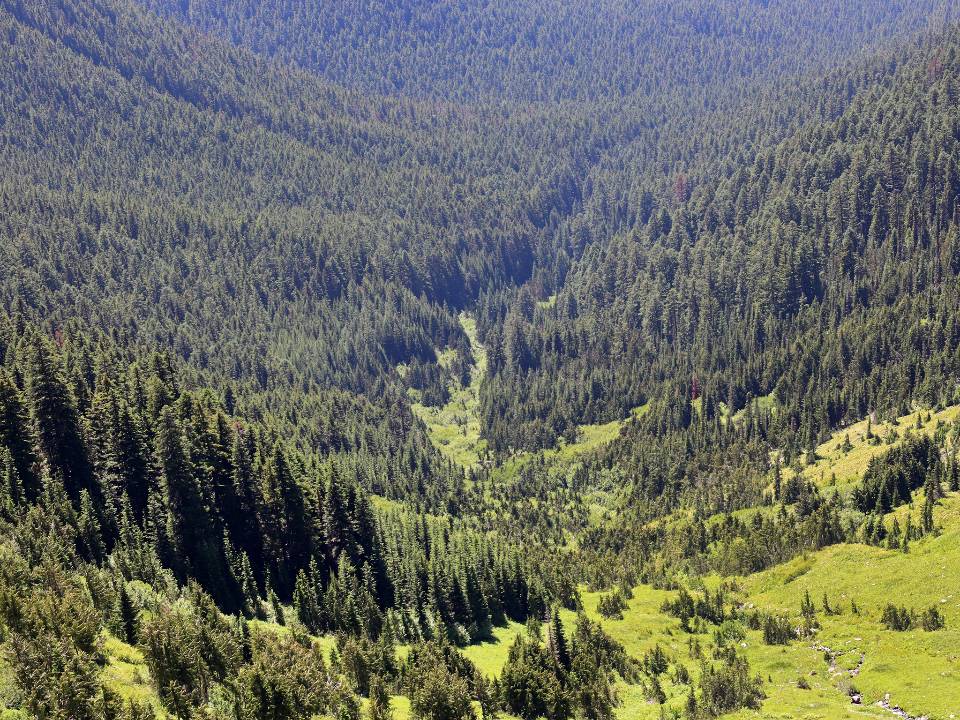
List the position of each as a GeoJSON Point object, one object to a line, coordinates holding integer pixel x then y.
{"type": "Point", "coordinates": [226, 278]}
{"type": "Point", "coordinates": [256, 522]}
{"type": "Point", "coordinates": [655, 661]}
{"type": "Point", "coordinates": [891, 478]}
{"type": "Point", "coordinates": [728, 687]}
{"type": "Point", "coordinates": [809, 614]}
{"type": "Point", "coordinates": [902, 619]}
{"type": "Point", "coordinates": [537, 682]}
{"type": "Point", "coordinates": [53, 646]}
{"type": "Point", "coordinates": [187, 649]}
{"type": "Point", "coordinates": [932, 619]}
{"type": "Point", "coordinates": [439, 682]}
{"type": "Point", "coordinates": [289, 680]}
{"type": "Point", "coordinates": [362, 660]}
{"type": "Point", "coordinates": [128, 616]}
{"type": "Point", "coordinates": [379, 700]}
{"type": "Point", "coordinates": [539, 50]}
{"type": "Point", "coordinates": [57, 421]}
{"type": "Point", "coordinates": [557, 641]}
{"type": "Point", "coordinates": [531, 684]}
{"type": "Point", "coordinates": [20, 467]}
{"type": "Point", "coordinates": [777, 630]}
{"type": "Point", "coordinates": [612, 605]}
{"type": "Point", "coordinates": [897, 618]}
{"type": "Point", "coordinates": [686, 607]}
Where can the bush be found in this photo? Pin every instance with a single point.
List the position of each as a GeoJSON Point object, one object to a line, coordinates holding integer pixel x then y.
{"type": "Point", "coordinates": [531, 688]}
{"type": "Point", "coordinates": [612, 605]}
{"type": "Point", "coordinates": [437, 691]}
{"type": "Point", "coordinates": [730, 632]}
{"type": "Point", "coordinates": [187, 645]}
{"type": "Point", "coordinates": [897, 618]}
{"type": "Point", "coordinates": [777, 630]}
{"type": "Point", "coordinates": [655, 661]}
{"type": "Point", "coordinates": [932, 619]}
{"type": "Point", "coordinates": [729, 687]}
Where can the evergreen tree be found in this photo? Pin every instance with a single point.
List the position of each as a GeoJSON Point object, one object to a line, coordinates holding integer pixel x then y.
{"type": "Point", "coordinates": [16, 435]}
{"type": "Point", "coordinates": [57, 423]}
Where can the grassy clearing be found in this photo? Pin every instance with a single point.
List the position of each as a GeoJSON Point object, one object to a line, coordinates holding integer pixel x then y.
{"type": "Point", "coordinates": [490, 656]}
{"type": "Point", "coordinates": [764, 402]}
{"type": "Point", "coordinates": [126, 673]}
{"type": "Point", "coordinates": [455, 427]}
{"type": "Point", "coordinates": [839, 467]}
{"type": "Point", "coordinates": [589, 437]}
{"type": "Point", "coordinates": [920, 670]}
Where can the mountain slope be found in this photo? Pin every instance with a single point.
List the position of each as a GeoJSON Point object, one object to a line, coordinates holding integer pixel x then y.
{"type": "Point", "coordinates": [547, 50]}
{"type": "Point", "coordinates": [499, 351]}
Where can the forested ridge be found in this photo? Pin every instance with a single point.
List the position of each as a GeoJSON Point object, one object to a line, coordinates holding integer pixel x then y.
{"type": "Point", "coordinates": [653, 265]}
{"type": "Point", "coordinates": [804, 250]}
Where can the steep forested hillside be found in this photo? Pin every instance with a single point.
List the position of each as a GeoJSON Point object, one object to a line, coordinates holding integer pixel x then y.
{"type": "Point", "coordinates": [548, 50]}
{"type": "Point", "coordinates": [482, 359]}
{"type": "Point", "coordinates": [796, 274]}
{"type": "Point", "coordinates": [242, 214]}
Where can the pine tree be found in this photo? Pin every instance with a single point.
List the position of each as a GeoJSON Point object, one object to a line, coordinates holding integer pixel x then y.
{"type": "Point", "coordinates": [128, 615]}
{"type": "Point", "coordinates": [89, 532]}
{"type": "Point", "coordinates": [16, 435]}
{"type": "Point", "coordinates": [248, 586]}
{"type": "Point", "coordinates": [691, 709]}
{"type": "Point", "coordinates": [57, 423]}
{"type": "Point", "coordinates": [809, 613]}
{"type": "Point", "coordinates": [11, 489]}
{"type": "Point", "coordinates": [278, 615]}
{"type": "Point", "coordinates": [379, 700]}
{"type": "Point", "coordinates": [926, 518]}
{"type": "Point", "coordinates": [307, 604]}
{"type": "Point", "coordinates": [133, 459]}
{"type": "Point", "coordinates": [240, 510]}
{"type": "Point", "coordinates": [292, 545]}
{"type": "Point", "coordinates": [196, 541]}
{"type": "Point", "coordinates": [557, 641]}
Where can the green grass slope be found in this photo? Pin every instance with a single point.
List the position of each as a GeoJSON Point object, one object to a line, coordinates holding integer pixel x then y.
{"type": "Point", "coordinates": [842, 460]}
{"type": "Point", "coordinates": [916, 670]}
{"type": "Point", "coordinates": [919, 670]}
{"type": "Point", "coordinates": [455, 427]}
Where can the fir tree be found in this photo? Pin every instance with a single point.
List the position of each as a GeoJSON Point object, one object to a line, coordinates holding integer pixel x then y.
{"type": "Point", "coordinates": [16, 435]}
{"type": "Point", "coordinates": [57, 423]}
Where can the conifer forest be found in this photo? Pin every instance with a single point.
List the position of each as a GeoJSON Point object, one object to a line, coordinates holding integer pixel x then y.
{"type": "Point", "coordinates": [479, 359]}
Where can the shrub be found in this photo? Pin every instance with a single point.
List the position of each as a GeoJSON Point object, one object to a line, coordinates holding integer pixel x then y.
{"type": "Point", "coordinates": [729, 687]}
{"type": "Point", "coordinates": [730, 632]}
{"type": "Point", "coordinates": [531, 688]}
{"type": "Point", "coordinates": [437, 678]}
{"type": "Point", "coordinates": [612, 605]}
{"type": "Point", "coordinates": [932, 619]}
{"type": "Point", "coordinates": [897, 618]}
{"type": "Point", "coordinates": [777, 630]}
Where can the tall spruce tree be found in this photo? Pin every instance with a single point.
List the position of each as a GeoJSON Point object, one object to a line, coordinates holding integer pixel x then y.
{"type": "Point", "coordinates": [17, 436]}
{"type": "Point", "coordinates": [57, 423]}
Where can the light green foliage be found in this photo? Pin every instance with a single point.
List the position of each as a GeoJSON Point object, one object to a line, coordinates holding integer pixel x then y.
{"type": "Point", "coordinates": [127, 674]}
{"type": "Point", "coordinates": [455, 427]}
{"type": "Point", "coordinates": [839, 467]}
